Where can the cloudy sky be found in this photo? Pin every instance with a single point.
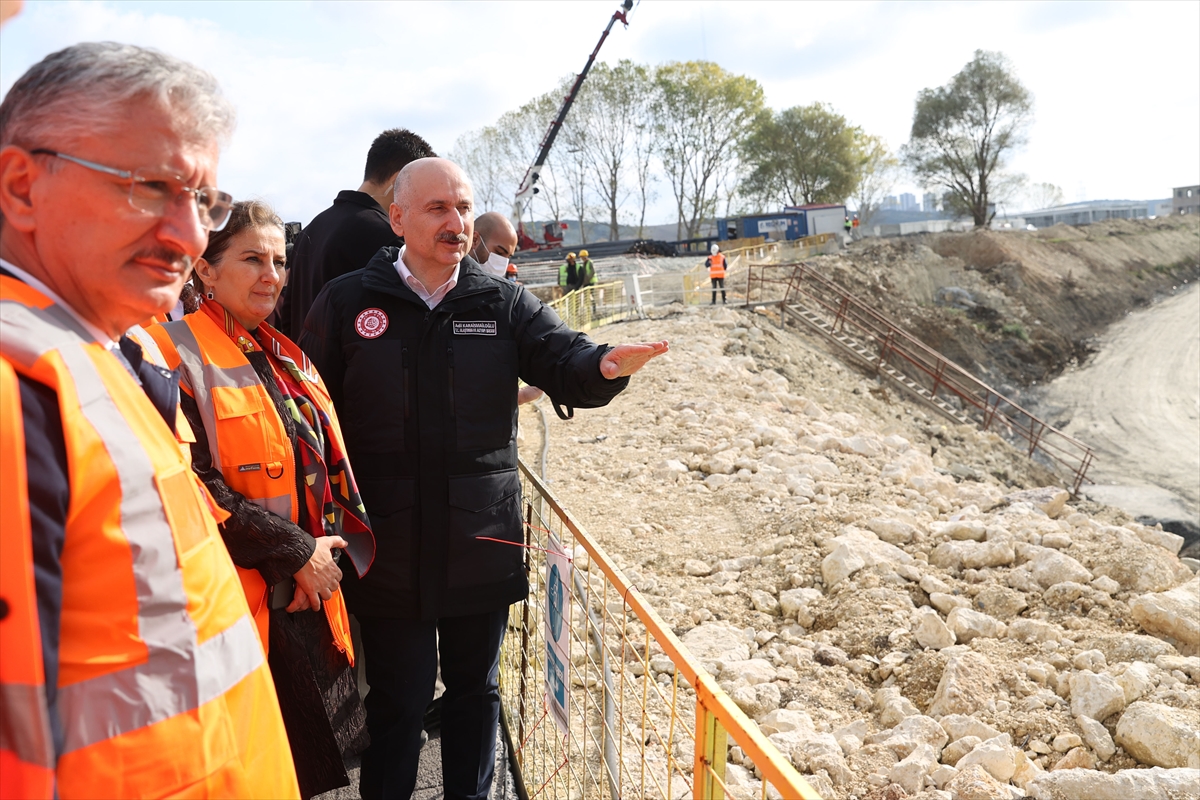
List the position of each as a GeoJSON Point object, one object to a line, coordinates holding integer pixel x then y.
{"type": "Point", "coordinates": [1116, 85]}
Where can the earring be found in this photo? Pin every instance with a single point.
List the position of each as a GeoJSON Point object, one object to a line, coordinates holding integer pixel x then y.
{"type": "Point", "coordinates": [210, 297]}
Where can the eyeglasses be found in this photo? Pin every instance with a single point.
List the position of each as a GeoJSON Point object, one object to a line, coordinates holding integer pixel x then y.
{"type": "Point", "coordinates": [152, 193]}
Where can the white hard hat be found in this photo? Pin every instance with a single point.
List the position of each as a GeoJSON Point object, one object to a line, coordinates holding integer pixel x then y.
{"type": "Point", "coordinates": [714, 249]}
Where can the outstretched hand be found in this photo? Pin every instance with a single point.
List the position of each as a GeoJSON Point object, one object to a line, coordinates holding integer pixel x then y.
{"type": "Point", "coordinates": [626, 359]}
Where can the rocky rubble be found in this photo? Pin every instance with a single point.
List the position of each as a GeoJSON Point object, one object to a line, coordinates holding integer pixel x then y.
{"type": "Point", "coordinates": [905, 608]}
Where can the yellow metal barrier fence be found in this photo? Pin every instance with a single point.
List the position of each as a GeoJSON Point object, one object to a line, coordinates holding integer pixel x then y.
{"type": "Point", "coordinates": [593, 306]}
{"type": "Point", "coordinates": [697, 287]}
{"type": "Point", "coordinates": [600, 699]}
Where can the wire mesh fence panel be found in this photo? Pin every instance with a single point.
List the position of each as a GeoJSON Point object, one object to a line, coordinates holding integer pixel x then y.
{"type": "Point", "coordinates": [600, 699]}
{"type": "Point", "coordinates": [593, 306]}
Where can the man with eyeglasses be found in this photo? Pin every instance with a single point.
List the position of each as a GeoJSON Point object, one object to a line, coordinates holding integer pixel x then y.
{"type": "Point", "coordinates": [125, 639]}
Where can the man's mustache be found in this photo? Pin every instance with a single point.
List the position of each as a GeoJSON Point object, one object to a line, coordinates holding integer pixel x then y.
{"type": "Point", "coordinates": [459, 238]}
{"type": "Point", "coordinates": [166, 256]}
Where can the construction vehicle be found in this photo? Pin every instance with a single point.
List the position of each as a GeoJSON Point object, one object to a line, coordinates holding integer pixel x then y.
{"type": "Point", "coordinates": [552, 235]}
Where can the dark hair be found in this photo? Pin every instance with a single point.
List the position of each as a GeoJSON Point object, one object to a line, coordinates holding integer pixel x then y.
{"type": "Point", "coordinates": [392, 151]}
{"type": "Point", "coordinates": [246, 214]}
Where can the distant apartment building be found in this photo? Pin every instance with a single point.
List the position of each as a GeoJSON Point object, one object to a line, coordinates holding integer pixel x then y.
{"type": "Point", "coordinates": [1185, 200]}
{"type": "Point", "coordinates": [908, 202]}
{"type": "Point", "coordinates": [891, 201]}
{"type": "Point", "coordinates": [929, 202]}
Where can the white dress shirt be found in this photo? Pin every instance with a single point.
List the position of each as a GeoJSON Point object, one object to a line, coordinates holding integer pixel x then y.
{"type": "Point", "coordinates": [97, 334]}
{"type": "Point", "coordinates": [431, 298]}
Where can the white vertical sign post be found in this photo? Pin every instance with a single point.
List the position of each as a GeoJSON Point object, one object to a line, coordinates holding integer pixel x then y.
{"type": "Point", "coordinates": [558, 632]}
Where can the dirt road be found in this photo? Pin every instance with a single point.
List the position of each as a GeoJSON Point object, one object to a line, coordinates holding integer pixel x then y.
{"type": "Point", "coordinates": [1137, 402]}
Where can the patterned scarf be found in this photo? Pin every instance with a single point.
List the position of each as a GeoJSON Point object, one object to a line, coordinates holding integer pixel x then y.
{"type": "Point", "coordinates": [331, 496]}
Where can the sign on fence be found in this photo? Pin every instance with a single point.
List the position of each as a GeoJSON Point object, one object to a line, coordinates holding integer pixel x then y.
{"type": "Point", "coordinates": [558, 632]}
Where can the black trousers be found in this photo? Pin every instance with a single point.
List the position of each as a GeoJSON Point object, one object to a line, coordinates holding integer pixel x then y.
{"type": "Point", "coordinates": [402, 662]}
{"type": "Point", "coordinates": [718, 282]}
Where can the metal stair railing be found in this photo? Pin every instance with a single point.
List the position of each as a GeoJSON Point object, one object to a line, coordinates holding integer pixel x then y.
{"type": "Point", "coordinates": [897, 351]}
{"type": "Point", "coordinates": [861, 350]}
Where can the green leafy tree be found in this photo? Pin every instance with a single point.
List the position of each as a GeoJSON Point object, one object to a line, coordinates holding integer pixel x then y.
{"type": "Point", "coordinates": [701, 115]}
{"type": "Point", "coordinates": [962, 133]}
{"type": "Point", "coordinates": [801, 155]}
{"type": "Point", "coordinates": [877, 169]}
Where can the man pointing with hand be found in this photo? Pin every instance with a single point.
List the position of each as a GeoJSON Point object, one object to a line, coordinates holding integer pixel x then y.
{"type": "Point", "coordinates": [422, 352]}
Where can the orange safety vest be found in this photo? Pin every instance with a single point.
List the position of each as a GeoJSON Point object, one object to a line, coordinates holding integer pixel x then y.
{"type": "Point", "coordinates": [163, 685]}
{"type": "Point", "coordinates": [27, 759]}
{"type": "Point", "coordinates": [716, 265]}
{"type": "Point", "coordinates": [247, 440]}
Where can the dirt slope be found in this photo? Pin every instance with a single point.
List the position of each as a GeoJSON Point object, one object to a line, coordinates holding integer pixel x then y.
{"type": "Point", "coordinates": [1137, 401]}
{"type": "Point", "coordinates": [1039, 298]}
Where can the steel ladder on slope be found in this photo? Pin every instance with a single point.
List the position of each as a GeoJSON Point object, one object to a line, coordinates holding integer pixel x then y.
{"type": "Point", "coordinates": [858, 349]}
{"type": "Point", "coordinates": [804, 294]}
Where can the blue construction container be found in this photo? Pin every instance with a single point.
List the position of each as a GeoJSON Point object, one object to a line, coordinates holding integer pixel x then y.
{"type": "Point", "coordinates": [776, 227]}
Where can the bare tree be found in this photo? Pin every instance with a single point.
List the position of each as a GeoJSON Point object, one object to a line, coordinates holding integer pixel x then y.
{"type": "Point", "coordinates": [1043, 195]}
{"type": "Point", "coordinates": [701, 114]}
{"type": "Point", "coordinates": [644, 154]}
{"type": "Point", "coordinates": [481, 155]}
{"type": "Point", "coordinates": [962, 132]}
{"type": "Point", "coordinates": [521, 133]}
{"type": "Point", "coordinates": [877, 171]}
{"type": "Point", "coordinates": [613, 105]}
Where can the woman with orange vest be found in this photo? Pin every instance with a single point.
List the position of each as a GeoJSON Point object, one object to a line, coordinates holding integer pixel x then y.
{"type": "Point", "coordinates": [270, 451]}
{"type": "Point", "coordinates": [716, 271]}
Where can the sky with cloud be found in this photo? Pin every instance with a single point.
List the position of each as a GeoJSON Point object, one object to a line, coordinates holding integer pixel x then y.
{"type": "Point", "coordinates": [1116, 85]}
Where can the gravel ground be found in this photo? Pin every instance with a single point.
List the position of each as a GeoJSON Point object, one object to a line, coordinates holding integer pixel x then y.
{"type": "Point", "coordinates": [874, 586]}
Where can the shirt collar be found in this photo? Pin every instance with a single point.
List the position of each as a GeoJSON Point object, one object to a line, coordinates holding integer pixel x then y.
{"type": "Point", "coordinates": [97, 334]}
{"type": "Point", "coordinates": [431, 299]}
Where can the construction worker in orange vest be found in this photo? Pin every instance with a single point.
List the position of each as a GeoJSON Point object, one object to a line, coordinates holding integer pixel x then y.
{"type": "Point", "coordinates": [130, 663]}
{"type": "Point", "coordinates": [716, 272]}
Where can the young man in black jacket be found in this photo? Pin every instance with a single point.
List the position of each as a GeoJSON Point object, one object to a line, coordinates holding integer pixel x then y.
{"type": "Point", "coordinates": [343, 237]}
{"type": "Point", "coordinates": [421, 352]}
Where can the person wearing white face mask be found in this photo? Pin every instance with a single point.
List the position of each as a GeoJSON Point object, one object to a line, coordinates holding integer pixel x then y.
{"type": "Point", "coordinates": [495, 242]}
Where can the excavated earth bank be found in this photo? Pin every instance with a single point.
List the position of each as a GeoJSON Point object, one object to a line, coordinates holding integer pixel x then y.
{"type": "Point", "coordinates": [1036, 300]}
{"type": "Point", "coordinates": [908, 608]}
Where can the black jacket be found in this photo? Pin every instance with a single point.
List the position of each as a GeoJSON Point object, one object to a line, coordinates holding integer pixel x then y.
{"type": "Point", "coordinates": [428, 408]}
{"type": "Point", "coordinates": [340, 239]}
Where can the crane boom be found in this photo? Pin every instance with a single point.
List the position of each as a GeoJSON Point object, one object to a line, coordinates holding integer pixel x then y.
{"type": "Point", "coordinates": [528, 187]}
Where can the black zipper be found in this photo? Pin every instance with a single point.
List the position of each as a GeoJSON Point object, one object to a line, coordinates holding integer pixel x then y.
{"type": "Point", "coordinates": [404, 364]}
{"type": "Point", "coordinates": [450, 363]}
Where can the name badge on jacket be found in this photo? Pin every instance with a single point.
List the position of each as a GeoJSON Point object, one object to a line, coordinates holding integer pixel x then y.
{"type": "Point", "coordinates": [475, 327]}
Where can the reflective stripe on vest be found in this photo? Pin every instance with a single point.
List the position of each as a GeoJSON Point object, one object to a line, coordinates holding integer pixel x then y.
{"type": "Point", "coordinates": [244, 427]}
{"type": "Point", "coordinates": [201, 378]}
{"type": "Point", "coordinates": [24, 725]}
{"type": "Point", "coordinates": [26, 745]}
{"type": "Point", "coordinates": [179, 674]}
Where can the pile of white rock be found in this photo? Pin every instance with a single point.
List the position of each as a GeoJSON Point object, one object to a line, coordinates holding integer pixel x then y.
{"type": "Point", "coordinates": [913, 629]}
